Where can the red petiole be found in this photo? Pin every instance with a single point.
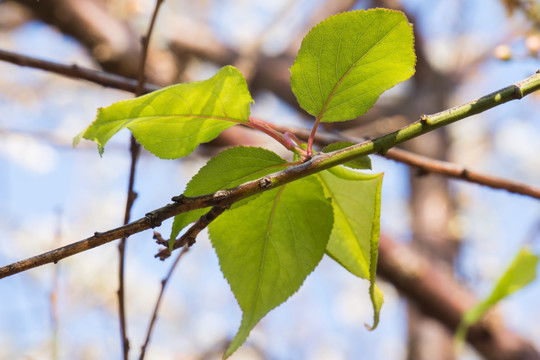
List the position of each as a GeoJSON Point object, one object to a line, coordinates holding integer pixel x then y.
{"type": "Point", "coordinates": [287, 139]}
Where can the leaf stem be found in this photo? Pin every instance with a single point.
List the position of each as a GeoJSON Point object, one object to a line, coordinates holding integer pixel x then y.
{"type": "Point", "coordinates": [164, 283]}
{"type": "Point", "coordinates": [289, 141]}
{"type": "Point", "coordinates": [312, 135]}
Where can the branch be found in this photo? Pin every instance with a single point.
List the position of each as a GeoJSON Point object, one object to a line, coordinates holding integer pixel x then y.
{"type": "Point", "coordinates": [164, 283]}
{"type": "Point", "coordinates": [461, 173]}
{"type": "Point", "coordinates": [320, 162]}
{"type": "Point", "coordinates": [188, 239]}
{"type": "Point", "coordinates": [77, 72]}
{"type": "Point", "coordinates": [145, 46]}
{"type": "Point", "coordinates": [135, 150]}
{"type": "Point", "coordinates": [436, 293]}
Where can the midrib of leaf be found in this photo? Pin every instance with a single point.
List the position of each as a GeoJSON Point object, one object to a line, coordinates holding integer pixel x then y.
{"type": "Point", "coordinates": [330, 97]}
{"type": "Point", "coordinates": [137, 120]}
{"type": "Point", "coordinates": [263, 257]}
{"type": "Point", "coordinates": [334, 202]}
{"type": "Point", "coordinates": [178, 138]}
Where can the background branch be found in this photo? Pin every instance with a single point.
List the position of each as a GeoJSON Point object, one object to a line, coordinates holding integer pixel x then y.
{"type": "Point", "coordinates": [77, 72]}
{"type": "Point", "coordinates": [164, 283]}
{"type": "Point", "coordinates": [437, 294]}
{"type": "Point", "coordinates": [134, 150]}
{"type": "Point", "coordinates": [461, 173]}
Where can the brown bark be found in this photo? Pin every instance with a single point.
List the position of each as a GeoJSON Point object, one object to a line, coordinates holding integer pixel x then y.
{"type": "Point", "coordinates": [435, 292]}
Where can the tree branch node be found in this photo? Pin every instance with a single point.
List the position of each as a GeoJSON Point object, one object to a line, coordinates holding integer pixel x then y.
{"type": "Point", "coordinates": [518, 92]}
{"type": "Point", "coordinates": [178, 199]}
{"type": "Point", "coordinates": [159, 239]}
{"type": "Point", "coordinates": [152, 219]}
{"type": "Point", "coordinates": [265, 183]}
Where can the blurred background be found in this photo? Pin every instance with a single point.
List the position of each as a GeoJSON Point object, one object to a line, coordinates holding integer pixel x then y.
{"type": "Point", "coordinates": [52, 194]}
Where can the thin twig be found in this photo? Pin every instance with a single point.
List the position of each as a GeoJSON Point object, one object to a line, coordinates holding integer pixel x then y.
{"type": "Point", "coordinates": [188, 239]}
{"type": "Point", "coordinates": [145, 45]}
{"type": "Point", "coordinates": [131, 196]}
{"type": "Point", "coordinates": [77, 72]}
{"type": "Point", "coordinates": [135, 150]}
{"type": "Point", "coordinates": [53, 296]}
{"type": "Point", "coordinates": [320, 162]}
{"type": "Point", "coordinates": [459, 172]}
{"type": "Point", "coordinates": [164, 283]}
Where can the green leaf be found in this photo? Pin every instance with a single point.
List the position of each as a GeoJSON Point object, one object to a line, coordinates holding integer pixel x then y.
{"type": "Point", "coordinates": [347, 61]}
{"type": "Point", "coordinates": [354, 241]}
{"type": "Point", "coordinates": [268, 247]}
{"type": "Point", "coordinates": [172, 122]}
{"type": "Point", "coordinates": [520, 273]}
{"type": "Point", "coordinates": [363, 162]}
{"type": "Point", "coordinates": [226, 170]}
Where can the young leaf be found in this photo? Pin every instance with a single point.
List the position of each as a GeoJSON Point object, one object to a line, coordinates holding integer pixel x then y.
{"type": "Point", "coordinates": [363, 162]}
{"type": "Point", "coordinates": [347, 61]}
{"type": "Point", "coordinates": [354, 241]}
{"type": "Point", "coordinates": [520, 273]}
{"type": "Point", "coordinates": [228, 169]}
{"type": "Point", "coordinates": [172, 122]}
{"type": "Point", "coordinates": [267, 247]}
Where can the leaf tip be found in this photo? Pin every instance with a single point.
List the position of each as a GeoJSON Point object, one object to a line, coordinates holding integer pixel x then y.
{"type": "Point", "coordinates": [371, 327]}
{"type": "Point", "coordinates": [101, 150]}
{"type": "Point", "coordinates": [375, 321]}
{"type": "Point", "coordinates": [238, 340]}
